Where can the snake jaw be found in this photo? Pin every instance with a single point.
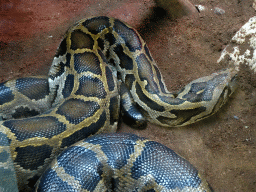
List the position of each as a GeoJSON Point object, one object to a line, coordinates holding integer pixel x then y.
{"type": "Point", "coordinates": [233, 84]}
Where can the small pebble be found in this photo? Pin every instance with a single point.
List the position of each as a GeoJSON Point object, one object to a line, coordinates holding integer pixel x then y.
{"type": "Point", "coordinates": [200, 8]}
{"type": "Point", "coordinates": [246, 127]}
{"type": "Point", "coordinates": [218, 11]}
{"type": "Point", "coordinates": [235, 117]}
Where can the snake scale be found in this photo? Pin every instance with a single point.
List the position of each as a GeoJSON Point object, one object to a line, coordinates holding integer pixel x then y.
{"type": "Point", "coordinates": [102, 67]}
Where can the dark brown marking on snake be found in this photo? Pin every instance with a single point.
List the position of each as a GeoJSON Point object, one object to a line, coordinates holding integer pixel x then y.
{"type": "Point", "coordinates": [80, 40]}
{"type": "Point", "coordinates": [77, 110]}
{"type": "Point", "coordinates": [109, 37]}
{"type": "Point", "coordinates": [68, 86]}
{"type": "Point", "coordinates": [149, 102]}
{"type": "Point", "coordinates": [182, 116]}
{"type": "Point", "coordinates": [187, 114]}
{"type": "Point", "coordinates": [32, 181]}
{"type": "Point", "coordinates": [85, 131]}
{"type": "Point", "coordinates": [111, 60]}
{"type": "Point", "coordinates": [129, 110]}
{"type": "Point", "coordinates": [194, 96]}
{"type": "Point", "coordinates": [60, 69]}
{"type": "Point", "coordinates": [103, 57]}
{"type": "Point", "coordinates": [97, 24]}
{"type": "Point", "coordinates": [87, 62]}
{"type": "Point", "coordinates": [130, 36]}
{"type": "Point", "coordinates": [33, 88]}
{"type": "Point", "coordinates": [172, 101]}
{"type": "Point", "coordinates": [125, 61]}
{"type": "Point", "coordinates": [129, 79]}
{"type": "Point", "coordinates": [159, 77]}
{"type": "Point", "coordinates": [146, 73]}
{"type": "Point", "coordinates": [147, 52]}
{"type": "Point", "coordinates": [35, 127]}
{"type": "Point", "coordinates": [62, 48]}
{"type": "Point", "coordinates": [114, 110]}
{"type": "Point", "coordinates": [68, 58]}
{"type": "Point", "coordinates": [24, 112]}
{"type": "Point", "coordinates": [31, 157]}
{"type": "Point", "coordinates": [110, 79]}
{"type": "Point", "coordinates": [100, 43]}
{"type": "Point", "coordinates": [91, 87]}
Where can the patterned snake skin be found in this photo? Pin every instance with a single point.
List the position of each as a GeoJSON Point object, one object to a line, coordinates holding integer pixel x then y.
{"type": "Point", "coordinates": [102, 66]}
{"type": "Point", "coordinates": [143, 165]}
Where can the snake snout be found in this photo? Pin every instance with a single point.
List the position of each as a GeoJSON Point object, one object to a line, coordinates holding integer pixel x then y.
{"type": "Point", "coordinates": [233, 83]}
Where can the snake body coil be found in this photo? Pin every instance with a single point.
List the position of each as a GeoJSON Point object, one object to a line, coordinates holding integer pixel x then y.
{"type": "Point", "coordinates": [120, 162]}
{"type": "Point", "coordinates": [100, 64]}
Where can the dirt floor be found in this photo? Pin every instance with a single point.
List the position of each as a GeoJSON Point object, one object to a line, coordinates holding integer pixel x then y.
{"type": "Point", "coordinates": [222, 147]}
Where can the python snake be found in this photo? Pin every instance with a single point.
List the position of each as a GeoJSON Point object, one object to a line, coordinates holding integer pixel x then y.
{"type": "Point", "coordinates": [102, 66]}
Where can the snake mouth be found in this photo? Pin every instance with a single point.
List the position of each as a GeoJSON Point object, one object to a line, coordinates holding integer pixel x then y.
{"type": "Point", "coordinates": [233, 84]}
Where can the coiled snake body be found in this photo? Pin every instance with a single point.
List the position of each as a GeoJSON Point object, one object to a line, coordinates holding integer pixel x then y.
{"type": "Point", "coordinates": [101, 65]}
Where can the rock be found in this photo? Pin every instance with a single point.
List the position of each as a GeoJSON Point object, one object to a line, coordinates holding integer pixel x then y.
{"type": "Point", "coordinates": [177, 8]}
{"type": "Point", "coordinates": [242, 48]}
{"type": "Point", "coordinates": [218, 11]}
{"type": "Point", "coordinates": [200, 8]}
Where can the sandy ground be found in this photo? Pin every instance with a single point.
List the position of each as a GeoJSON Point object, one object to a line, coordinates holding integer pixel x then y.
{"type": "Point", "coordinates": [222, 147]}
